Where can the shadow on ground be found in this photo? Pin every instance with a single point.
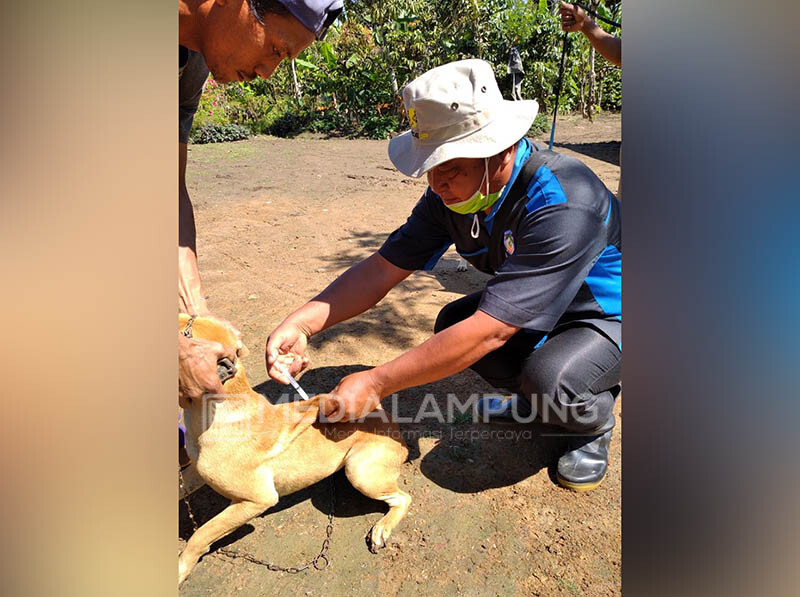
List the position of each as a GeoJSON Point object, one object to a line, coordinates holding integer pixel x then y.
{"type": "Point", "coordinates": [475, 457]}
{"type": "Point", "coordinates": [606, 151]}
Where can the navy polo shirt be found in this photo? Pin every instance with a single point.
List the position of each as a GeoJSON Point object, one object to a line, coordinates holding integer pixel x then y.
{"type": "Point", "coordinates": [552, 242]}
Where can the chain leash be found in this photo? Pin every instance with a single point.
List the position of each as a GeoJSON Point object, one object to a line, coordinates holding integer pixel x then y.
{"type": "Point", "coordinates": [319, 562]}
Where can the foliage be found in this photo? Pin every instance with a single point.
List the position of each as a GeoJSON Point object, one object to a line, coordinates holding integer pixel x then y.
{"type": "Point", "coordinates": [218, 133]}
{"type": "Point", "coordinates": [288, 124]}
{"type": "Point", "coordinates": [541, 124]}
{"type": "Point", "coordinates": [350, 83]}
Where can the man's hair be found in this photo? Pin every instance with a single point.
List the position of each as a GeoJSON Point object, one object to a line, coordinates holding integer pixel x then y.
{"type": "Point", "coordinates": [260, 8]}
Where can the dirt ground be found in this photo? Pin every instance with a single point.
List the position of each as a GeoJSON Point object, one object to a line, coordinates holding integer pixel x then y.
{"type": "Point", "coordinates": [278, 219]}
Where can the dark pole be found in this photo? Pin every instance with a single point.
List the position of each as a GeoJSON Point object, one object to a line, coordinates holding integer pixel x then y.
{"type": "Point", "coordinates": [558, 88]}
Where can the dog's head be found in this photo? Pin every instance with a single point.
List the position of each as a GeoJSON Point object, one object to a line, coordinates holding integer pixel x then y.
{"type": "Point", "coordinates": [209, 328]}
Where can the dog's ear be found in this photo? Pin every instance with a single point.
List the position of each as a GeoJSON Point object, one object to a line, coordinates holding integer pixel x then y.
{"type": "Point", "coordinates": [242, 350]}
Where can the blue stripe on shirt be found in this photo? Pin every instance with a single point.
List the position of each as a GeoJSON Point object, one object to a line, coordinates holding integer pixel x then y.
{"type": "Point", "coordinates": [605, 281]}
{"type": "Point", "coordinates": [523, 153]}
{"type": "Point", "coordinates": [544, 189]}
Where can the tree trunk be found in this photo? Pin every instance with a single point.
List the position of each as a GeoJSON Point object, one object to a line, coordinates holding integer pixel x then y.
{"type": "Point", "coordinates": [478, 32]}
{"type": "Point", "coordinates": [600, 79]}
{"type": "Point", "coordinates": [582, 105]}
{"type": "Point", "coordinates": [297, 93]}
{"type": "Point", "coordinates": [393, 78]}
{"type": "Point", "coordinates": [591, 101]}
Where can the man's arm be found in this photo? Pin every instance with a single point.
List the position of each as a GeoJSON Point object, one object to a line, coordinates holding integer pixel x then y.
{"type": "Point", "coordinates": [574, 18]}
{"type": "Point", "coordinates": [190, 288]}
{"type": "Point", "coordinates": [197, 359]}
{"type": "Point", "coordinates": [359, 288]}
{"type": "Point", "coordinates": [450, 351]}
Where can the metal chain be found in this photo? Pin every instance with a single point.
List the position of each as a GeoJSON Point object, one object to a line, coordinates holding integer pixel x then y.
{"type": "Point", "coordinates": [187, 330]}
{"type": "Point", "coordinates": [316, 562]}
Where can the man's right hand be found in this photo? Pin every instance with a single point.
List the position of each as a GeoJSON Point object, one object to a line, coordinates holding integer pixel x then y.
{"type": "Point", "coordinates": [197, 367]}
{"type": "Point", "coordinates": [573, 17]}
{"type": "Point", "coordinates": [286, 349]}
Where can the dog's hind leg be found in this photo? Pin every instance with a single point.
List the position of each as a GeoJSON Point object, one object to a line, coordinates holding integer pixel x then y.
{"type": "Point", "coordinates": [374, 473]}
{"type": "Point", "coordinates": [231, 518]}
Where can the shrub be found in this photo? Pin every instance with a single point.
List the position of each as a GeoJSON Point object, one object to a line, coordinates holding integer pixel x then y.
{"type": "Point", "coordinates": [218, 133]}
{"type": "Point", "coordinates": [379, 126]}
{"type": "Point", "coordinates": [541, 124]}
{"type": "Point", "coordinates": [213, 108]}
{"type": "Point", "coordinates": [288, 124]}
{"type": "Point", "coordinates": [254, 112]}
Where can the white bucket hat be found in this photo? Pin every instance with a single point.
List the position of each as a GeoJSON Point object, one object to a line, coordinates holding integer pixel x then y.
{"type": "Point", "coordinates": [457, 111]}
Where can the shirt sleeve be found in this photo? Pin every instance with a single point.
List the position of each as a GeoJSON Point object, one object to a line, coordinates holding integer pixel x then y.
{"type": "Point", "coordinates": [420, 242]}
{"type": "Point", "coordinates": [555, 247]}
{"type": "Point", "coordinates": [190, 89]}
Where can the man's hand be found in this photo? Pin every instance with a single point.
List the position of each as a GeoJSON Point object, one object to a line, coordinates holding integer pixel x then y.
{"type": "Point", "coordinates": [197, 367]}
{"type": "Point", "coordinates": [286, 349]}
{"type": "Point", "coordinates": [355, 396]}
{"type": "Point", "coordinates": [573, 17]}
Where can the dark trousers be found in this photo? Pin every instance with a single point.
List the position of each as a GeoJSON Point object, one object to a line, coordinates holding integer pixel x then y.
{"type": "Point", "coordinates": [571, 380]}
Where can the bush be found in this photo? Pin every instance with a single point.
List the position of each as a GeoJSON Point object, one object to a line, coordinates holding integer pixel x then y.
{"type": "Point", "coordinates": [541, 124]}
{"type": "Point", "coordinates": [379, 126]}
{"type": "Point", "coordinates": [288, 124]}
{"type": "Point", "coordinates": [213, 108]}
{"type": "Point", "coordinates": [219, 133]}
{"type": "Point", "coordinates": [254, 112]}
{"type": "Point", "coordinates": [329, 121]}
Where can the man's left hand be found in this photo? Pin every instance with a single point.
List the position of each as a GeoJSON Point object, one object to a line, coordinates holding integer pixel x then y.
{"type": "Point", "coordinates": [353, 398]}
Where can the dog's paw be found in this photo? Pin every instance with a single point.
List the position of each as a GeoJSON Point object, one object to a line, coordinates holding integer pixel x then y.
{"type": "Point", "coordinates": [183, 571]}
{"type": "Point", "coordinates": [462, 266]}
{"type": "Point", "coordinates": [376, 539]}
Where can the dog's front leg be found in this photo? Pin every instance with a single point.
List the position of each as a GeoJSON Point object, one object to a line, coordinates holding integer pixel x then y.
{"type": "Point", "coordinates": [231, 518]}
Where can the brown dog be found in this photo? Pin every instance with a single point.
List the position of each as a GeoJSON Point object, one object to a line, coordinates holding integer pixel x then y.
{"type": "Point", "coordinates": [253, 452]}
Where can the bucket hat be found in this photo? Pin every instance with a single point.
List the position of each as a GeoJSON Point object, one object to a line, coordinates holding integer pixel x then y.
{"type": "Point", "coordinates": [457, 111]}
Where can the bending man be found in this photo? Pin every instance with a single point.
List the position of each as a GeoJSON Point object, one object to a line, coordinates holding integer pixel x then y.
{"type": "Point", "coordinates": [548, 324]}
{"type": "Point", "coordinates": [236, 40]}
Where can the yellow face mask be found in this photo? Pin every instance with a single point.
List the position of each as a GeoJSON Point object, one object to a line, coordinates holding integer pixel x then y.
{"type": "Point", "coordinates": [478, 201]}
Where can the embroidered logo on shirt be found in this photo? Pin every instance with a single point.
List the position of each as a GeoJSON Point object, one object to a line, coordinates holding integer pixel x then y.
{"type": "Point", "coordinates": [508, 242]}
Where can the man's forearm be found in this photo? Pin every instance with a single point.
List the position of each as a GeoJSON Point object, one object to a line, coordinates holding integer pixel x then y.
{"type": "Point", "coordinates": [607, 45]}
{"type": "Point", "coordinates": [190, 288]}
{"type": "Point", "coordinates": [448, 352]}
{"type": "Point", "coordinates": [359, 288]}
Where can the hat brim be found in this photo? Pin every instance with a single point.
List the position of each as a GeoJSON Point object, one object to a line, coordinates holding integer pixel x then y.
{"type": "Point", "coordinates": [414, 158]}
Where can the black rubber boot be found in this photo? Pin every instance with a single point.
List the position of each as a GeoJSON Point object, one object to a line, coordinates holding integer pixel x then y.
{"type": "Point", "coordinates": [585, 463]}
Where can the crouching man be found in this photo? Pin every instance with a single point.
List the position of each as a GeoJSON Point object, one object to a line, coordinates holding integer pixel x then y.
{"type": "Point", "coordinates": [548, 324]}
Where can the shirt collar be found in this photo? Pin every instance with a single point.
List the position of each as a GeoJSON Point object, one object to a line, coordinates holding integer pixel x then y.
{"type": "Point", "coordinates": [523, 153]}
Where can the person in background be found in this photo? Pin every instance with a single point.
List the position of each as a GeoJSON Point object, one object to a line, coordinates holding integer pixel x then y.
{"type": "Point", "coordinates": [517, 73]}
{"type": "Point", "coordinates": [574, 18]}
